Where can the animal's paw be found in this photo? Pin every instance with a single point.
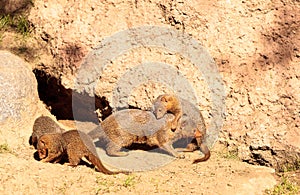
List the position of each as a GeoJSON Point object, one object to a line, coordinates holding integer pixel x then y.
{"type": "Point", "coordinates": [118, 154]}
{"type": "Point", "coordinates": [70, 164]}
{"type": "Point", "coordinates": [43, 160]}
{"type": "Point", "coordinates": [180, 156]}
{"type": "Point", "coordinates": [179, 149]}
{"type": "Point", "coordinates": [190, 148]}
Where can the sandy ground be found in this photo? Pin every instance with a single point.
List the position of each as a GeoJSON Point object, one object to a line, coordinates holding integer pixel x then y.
{"type": "Point", "coordinates": [22, 174]}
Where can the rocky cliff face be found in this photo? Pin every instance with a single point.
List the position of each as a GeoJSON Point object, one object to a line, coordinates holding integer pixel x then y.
{"type": "Point", "coordinates": [255, 47]}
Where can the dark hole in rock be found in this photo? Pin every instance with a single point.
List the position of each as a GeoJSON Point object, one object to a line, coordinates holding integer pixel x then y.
{"type": "Point", "coordinates": [67, 104]}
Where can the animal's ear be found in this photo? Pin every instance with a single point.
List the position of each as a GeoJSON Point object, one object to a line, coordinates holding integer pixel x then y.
{"type": "Point", "coordinates": [197, 133]}
{"type": "Point", "coordinates": [166, 98]}
{"type": "Point", "coordinates": [183, 123]}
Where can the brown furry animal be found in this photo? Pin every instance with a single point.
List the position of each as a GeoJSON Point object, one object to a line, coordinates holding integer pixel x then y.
{"type": "Point", "coordinates": [43, 125]}
{"type": "Point", "coordinates": [169, 104]}
{"type": "Point", "coordinates": [191, 120]}
{"type": "Point", "coordinates": [73, 145]}
{"type": "Point", "coordinates": [132, 126]}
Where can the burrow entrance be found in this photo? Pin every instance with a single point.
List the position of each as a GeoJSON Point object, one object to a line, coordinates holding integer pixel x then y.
{"type": "Point", "coordinates": [60, 100]}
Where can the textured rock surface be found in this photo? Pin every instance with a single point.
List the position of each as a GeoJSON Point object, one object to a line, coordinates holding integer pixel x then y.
{"type": "Point", "coordinates": [19, 100]}
{"type": "Point", "coordinates": [254, 44]}
{"type": "Point", "coordinates": [12, 6]}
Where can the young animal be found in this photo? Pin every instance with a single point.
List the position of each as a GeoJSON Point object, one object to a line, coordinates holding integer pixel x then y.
{"type": "Point", "coordinates": [172, 105]}
{"type": "Point", "coordinates": [41, 126]}
{"type": "Point", "coordinates": [191, 120]}
{"type": "Point", "coordinates": [132, 126]}
{"type": "Point", "coordinates": [73, 145]}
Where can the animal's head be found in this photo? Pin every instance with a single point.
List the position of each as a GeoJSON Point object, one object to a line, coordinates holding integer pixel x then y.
{"type": "Point", "coordinates": [42, 148]}
{"type": "Point", "coordinates": [159, 109]}
{"type": "Point", "coordinates": [162, 105]}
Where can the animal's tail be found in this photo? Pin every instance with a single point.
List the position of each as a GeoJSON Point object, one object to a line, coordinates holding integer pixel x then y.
{"type": "Point", "coordinates": [100, 167]}
{"type": "Point", "coordinates": [204, 149]}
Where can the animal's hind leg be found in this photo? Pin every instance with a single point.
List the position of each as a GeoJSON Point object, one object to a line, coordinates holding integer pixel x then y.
{"type": "Point", "coordinates": [191, 147]}
{"type": "Point", "coordinates": [74, 158]}
{"type": "Point", "coordinates": [196, 142]}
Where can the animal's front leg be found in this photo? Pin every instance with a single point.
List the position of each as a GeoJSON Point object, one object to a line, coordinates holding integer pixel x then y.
{"type": "Point", "coordinates": [113, 149]}
{"type": "Point", "coordinates": [176, 122]}
{"type": "Point", "coordinates": [51, 157]}
{"type": "Point", "coordinates": [169, 148]}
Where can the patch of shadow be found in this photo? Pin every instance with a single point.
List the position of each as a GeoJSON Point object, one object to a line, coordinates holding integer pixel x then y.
{"type": "Point", "coordinates": [26, 52]}
{"type": "Point", "coordinates": [67, 104]}
{"type": "Point", "coordinates": [287, 159]}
